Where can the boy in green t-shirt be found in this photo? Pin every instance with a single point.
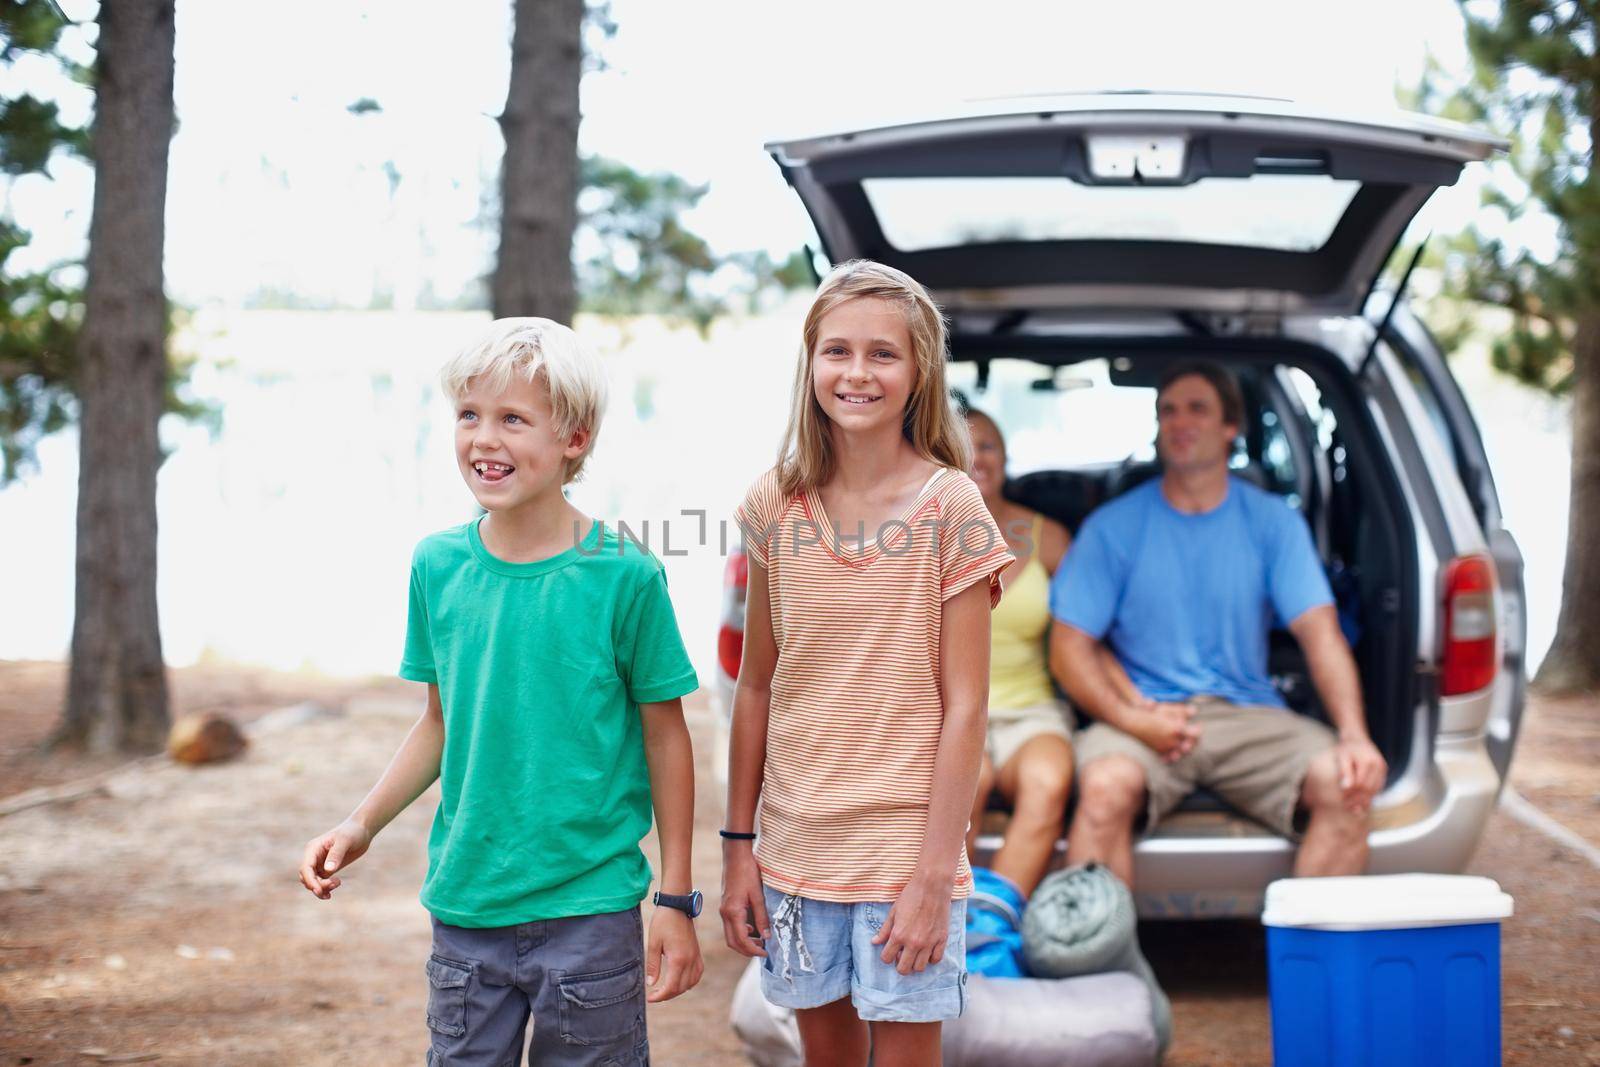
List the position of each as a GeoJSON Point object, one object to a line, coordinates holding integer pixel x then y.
{"type": "Point", "coordinates": [554, 670]}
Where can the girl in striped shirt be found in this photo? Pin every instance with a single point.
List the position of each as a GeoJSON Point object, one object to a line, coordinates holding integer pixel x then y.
{"type": "Point", "coordinates": [859, 715]}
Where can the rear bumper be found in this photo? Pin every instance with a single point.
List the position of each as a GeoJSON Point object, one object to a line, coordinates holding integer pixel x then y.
{"type": "Point", "coordinates": [1188, 870]}
{"type": "Point", "coordinates": [1216, 865]}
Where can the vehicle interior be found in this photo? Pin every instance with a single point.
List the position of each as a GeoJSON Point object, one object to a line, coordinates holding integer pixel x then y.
{"type": "Point", "coordinates": [1078, 414]}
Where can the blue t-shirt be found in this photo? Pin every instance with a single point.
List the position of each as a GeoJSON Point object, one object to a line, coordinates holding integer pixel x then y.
{"type": "Point", "coordinates": [1186, 601]}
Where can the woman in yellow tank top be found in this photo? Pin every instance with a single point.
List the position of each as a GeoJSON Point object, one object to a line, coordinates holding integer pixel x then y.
{"type": "Point", "coordinates": [1029, 751]}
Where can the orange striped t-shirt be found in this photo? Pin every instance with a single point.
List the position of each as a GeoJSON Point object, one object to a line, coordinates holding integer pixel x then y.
{"type": "Point", "coordinates": [856, 710]}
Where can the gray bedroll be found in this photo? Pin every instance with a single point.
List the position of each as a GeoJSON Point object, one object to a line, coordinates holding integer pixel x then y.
{"type": "Point", "coordinates": [1081, 921]}
{"type": "Point", "coordinates": [767, 1032]}
{"type": "Point", "coordinates": [1098, 1020]}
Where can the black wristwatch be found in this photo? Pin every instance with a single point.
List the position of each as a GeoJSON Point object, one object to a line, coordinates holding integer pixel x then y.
{"type": "Point", "coordinates": [690, 903]}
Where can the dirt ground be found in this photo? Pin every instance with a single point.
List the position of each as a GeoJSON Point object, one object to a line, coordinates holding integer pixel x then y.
{"type": "Point", "coordinates": [161, 920]}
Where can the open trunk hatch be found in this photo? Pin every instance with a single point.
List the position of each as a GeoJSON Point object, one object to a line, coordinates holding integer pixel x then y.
{"type": "Point", "coordinates": [1226, 204]}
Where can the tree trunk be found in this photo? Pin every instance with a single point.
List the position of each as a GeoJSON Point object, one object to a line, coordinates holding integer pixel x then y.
{"type": "Point", "coordinates": [117, 692]}
{"type": "Point", "coordinates": [1573, 662]}
{"type": "Point", "coordinates": [539, 175]}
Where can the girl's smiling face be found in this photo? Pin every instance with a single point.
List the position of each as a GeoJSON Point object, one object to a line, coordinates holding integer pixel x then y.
{"type": "Point", "coordinates": [863, 368]}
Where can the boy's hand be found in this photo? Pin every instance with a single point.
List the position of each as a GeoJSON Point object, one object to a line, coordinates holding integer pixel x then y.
{"type": "Point", "coordinates": [744, 906]}
{"type": "Point", "coordinates": [672, 963]}
{"type": "Point", "coordinates": [332, 851]}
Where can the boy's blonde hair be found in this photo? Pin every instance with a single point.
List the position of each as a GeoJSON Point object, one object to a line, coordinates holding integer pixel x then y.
{"type": "Point", "coordinates": [536, 350]}
{"type": "Point", "coordinates": [806, 458]}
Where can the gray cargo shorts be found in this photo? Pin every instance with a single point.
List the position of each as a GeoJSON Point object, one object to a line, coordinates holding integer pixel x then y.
{"type": "Point", "coordinates": [581, 979]}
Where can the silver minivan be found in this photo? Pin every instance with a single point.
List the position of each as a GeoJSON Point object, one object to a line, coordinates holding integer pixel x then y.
{"type": "Point", "coordinates": [1079, 244]}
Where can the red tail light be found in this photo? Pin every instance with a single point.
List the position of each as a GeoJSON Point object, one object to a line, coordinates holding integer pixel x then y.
{"type": "Point", "coordinates": [730, 650]}
{"type": "Point", "coordinates": [730, 639]}
{"type": "Point", "coordinates": [1470, 656]}
{"type": "Point", "coordinates": [736, 574]}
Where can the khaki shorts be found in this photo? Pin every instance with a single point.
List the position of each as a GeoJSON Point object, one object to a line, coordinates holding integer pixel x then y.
{"type": "Point", "coordinates": [1253, 757]}
{"type": "Point", "coordinates": [1011, 728]}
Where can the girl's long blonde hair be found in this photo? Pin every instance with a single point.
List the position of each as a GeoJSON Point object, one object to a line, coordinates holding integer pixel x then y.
{"type": "Point", "coordinates": [806, 458]}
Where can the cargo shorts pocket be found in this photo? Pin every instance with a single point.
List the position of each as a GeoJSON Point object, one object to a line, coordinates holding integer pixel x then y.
{"type": "Point", "coordinates": [447, 996]}
{"type": "Point", "coordinates": [603, 1008]}
{"type": "Point", "coordinates": [637, 1056]}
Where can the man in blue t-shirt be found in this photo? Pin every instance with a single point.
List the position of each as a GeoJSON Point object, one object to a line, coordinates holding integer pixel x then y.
{"type": "Point", "coordinates": [1182, 577]}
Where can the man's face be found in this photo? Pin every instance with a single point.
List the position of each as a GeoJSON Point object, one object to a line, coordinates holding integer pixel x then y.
{"type": "Point", "coordinates": [1191, 434]}
{"type": "Point", "coordinates": [507, 447]}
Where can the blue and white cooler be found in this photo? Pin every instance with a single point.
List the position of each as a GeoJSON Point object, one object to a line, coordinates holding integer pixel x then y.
{"type": "Point", "coordinates": [1385, 970]}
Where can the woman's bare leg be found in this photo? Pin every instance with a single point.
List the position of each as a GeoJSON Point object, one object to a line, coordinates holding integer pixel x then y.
{"type": "Point", "coordinates": [980, 803]}
{"type": "Point", "coordinates": [1037, 780]}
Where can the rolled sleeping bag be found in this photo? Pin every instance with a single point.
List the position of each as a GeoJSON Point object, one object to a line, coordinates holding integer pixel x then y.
{"type": "Point", "coordinates": [1081, 920]}
{"type": "Point", "coordinates": [1098, 1020]}
{"type": "Point", "coordinates": [769, 1034]}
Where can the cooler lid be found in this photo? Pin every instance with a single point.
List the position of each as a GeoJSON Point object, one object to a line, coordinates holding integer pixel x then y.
{"type": "Point", "coordinates": [1385, 902]}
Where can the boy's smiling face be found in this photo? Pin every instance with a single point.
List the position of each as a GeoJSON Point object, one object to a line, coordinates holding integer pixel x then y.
{"type": "Point", "coordinates": [507, 445]}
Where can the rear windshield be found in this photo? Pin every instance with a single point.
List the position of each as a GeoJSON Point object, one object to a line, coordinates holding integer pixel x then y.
{"type": "Point", "coordinates": [1082, 421]}
{"type": "Point", "coordinates": [1288, 212]}
{"type": "Point", "coordinates": [1074, 418]}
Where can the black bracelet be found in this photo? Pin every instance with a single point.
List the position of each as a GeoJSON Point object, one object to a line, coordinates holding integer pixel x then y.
{"type": "Point", "coordinates": [734, 835]}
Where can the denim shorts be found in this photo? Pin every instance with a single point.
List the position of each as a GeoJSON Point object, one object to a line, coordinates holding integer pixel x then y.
{"type": "Point", "coordinates": [819, 952]}
{"type": "Point", "coordinates": [580, 980]}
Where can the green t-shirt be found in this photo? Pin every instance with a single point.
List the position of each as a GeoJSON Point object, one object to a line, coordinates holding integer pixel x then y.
{"type": "Point", "coordinates": [541, 668]}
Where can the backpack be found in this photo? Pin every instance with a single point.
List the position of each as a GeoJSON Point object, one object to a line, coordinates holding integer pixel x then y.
{"type": "Point", "coordinates": [994, 926]}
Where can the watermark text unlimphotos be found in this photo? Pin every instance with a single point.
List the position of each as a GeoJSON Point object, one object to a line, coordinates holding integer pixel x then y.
{"type": "Point", "coordinates": [691, 530]}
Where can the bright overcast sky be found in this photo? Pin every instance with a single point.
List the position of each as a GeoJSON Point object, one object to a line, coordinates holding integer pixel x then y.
{"type": "Point", "coordinates": [275, 184]}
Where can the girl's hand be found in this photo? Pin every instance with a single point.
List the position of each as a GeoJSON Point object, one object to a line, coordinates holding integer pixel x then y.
{"type": "Point", "coordinates": [918, 926]}
{"type": "Point", "coordinates": [672, 956]}
{"type": "Point", "coordinates": [332, 851]}
{"type": "Point", "coordinates": [744, 907]}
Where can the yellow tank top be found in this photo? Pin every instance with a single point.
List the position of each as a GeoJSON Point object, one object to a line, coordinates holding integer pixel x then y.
{"type": "Point", "coordinates": [1019, 676]}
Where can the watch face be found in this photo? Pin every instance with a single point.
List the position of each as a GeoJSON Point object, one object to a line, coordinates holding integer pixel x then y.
{"type": "Point", "coordinates": [696, 901]}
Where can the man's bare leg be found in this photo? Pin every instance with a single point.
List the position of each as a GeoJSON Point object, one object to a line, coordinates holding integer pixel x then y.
{"type": "Point", "coordinates": [1336, 839]}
